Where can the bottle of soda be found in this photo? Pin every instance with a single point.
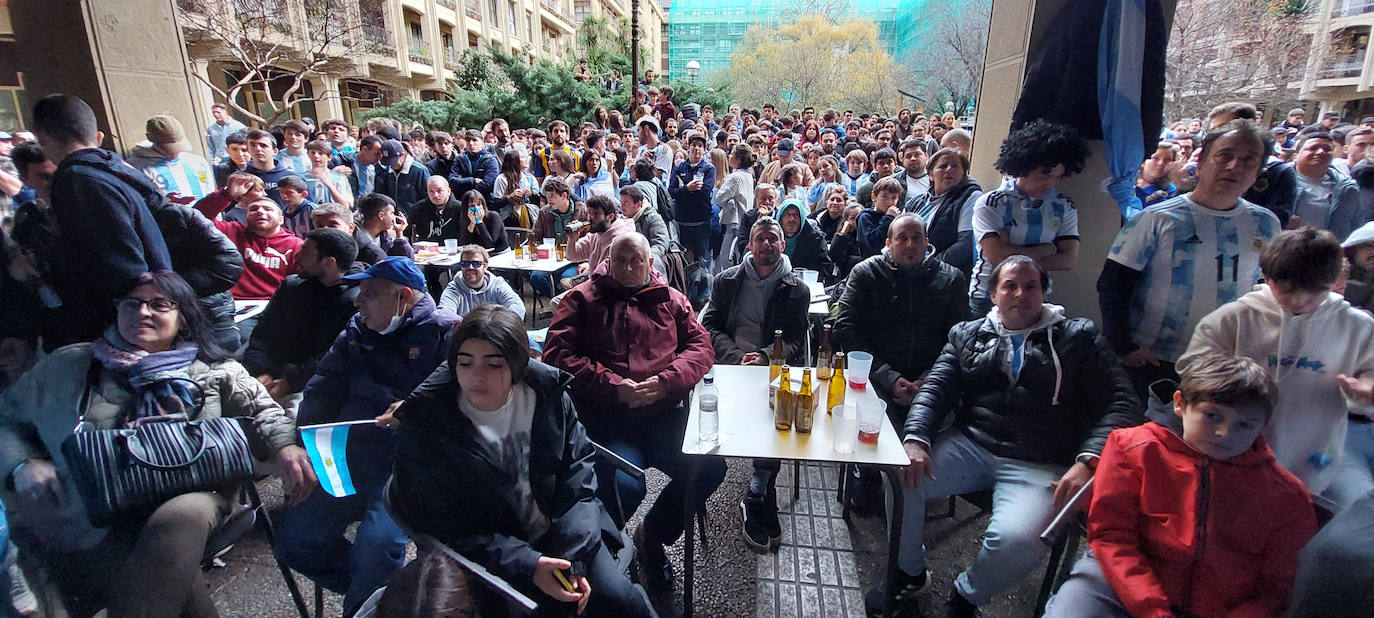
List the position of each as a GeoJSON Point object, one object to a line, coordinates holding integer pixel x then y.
{"type": "Point", "coordinates": [806, 404]}
{"type": "Point", "coordinates": [708, 409]}
{"type": "Point", "coordinates": [837, 384]}
{"type": "Point", "coordinates": [786, 407]}
{"type": "Point", "coordinates": [777, 357]}
{"type": "Point", "coordinates": [824, 368]}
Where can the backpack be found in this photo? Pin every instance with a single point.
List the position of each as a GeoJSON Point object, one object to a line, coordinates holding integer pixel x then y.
{"type": "Point", "coordinates": [686, 276]}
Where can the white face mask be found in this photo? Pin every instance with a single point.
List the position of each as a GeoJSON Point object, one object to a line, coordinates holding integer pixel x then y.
{"type": "Point", "coordinates": [398, 319]}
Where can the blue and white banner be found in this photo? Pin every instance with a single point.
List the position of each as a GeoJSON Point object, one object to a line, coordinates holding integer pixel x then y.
{"type": "Point", "coordinates": [1120, 62]}
{"type": "Point", "coordinates": [327, 446]}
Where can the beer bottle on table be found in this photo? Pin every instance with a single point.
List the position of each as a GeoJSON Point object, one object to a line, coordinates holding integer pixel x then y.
{"type": "Point", "coordinates": [824, 368]}
{"type": "Point", "coordinates": [806, 404]}
{"type": "Point", "coordinates": [560, 246]}
{"type": "Point", "coordinates": [837, 384]}
{"type": "Point", "coordinates": [786, 407]}
{"type": "Point", "coordinates": [776, 357]}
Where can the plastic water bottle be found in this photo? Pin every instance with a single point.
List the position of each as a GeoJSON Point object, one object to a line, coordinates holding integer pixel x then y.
{"type": "Point", "coordinates": [708, 408]}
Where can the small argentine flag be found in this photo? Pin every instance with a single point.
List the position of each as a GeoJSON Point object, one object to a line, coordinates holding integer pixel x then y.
{"type": "Point", "coordinates": [327, 446]}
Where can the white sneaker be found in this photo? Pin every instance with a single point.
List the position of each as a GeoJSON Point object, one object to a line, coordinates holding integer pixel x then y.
{"type": "Point", "coordinates": [21, 596]}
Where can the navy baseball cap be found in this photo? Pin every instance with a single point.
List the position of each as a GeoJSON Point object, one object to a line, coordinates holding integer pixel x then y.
{"type": "Point", "coordinates": [391, 150]}
{"type": "Point", "coordinates": [397, 269]}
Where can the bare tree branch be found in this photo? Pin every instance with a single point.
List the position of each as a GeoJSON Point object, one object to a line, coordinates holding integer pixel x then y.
{"type": "Point", "coordinates": [263, 45]}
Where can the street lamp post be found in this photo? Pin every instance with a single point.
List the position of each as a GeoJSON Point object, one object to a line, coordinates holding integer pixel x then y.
{"type": "Point", "coordinates": [693, 69]}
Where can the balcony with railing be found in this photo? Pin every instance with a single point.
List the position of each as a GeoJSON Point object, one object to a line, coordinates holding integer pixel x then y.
{"type": "Point", "coordinates": [450, 59]}
{"type": "Point", "coordinates": [1351, 8]}
{"type": "Point", "coordinates": [377, 40]}
{"type": "Point", "coordinates": [1342, 66]}
{"type": "Point", "coordinates": [555, 14]}
{"type": "Point", "coordinates": [450, 4]}
{"type": "Point", "coordinates": [472, 9]}
{"type": "Point", "coordinates": [419, 53]}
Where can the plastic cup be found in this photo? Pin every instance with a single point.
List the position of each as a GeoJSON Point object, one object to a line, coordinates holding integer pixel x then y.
{"type": "Point", "coordinates": [451, 245]}
{"type": "Point", "coordinates": [845, 429]}
{"type": "Point", "coordinates": [549, 242]}
{"type": "Point", "coordinates": [870, 422]}
{"type": "Point", "coordinates": [858, 364]}
{"type": "Point", "coordinates": [811, 277]}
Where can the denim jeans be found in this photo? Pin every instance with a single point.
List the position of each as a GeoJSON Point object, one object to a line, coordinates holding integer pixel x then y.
{"type": "Point", "coordinates": [724, 258]}
{"type": "Point", "coordinates": [1353, 478]}
{"type": "Point", "coordinates": [1022, 507]}
{"type": "Point", "coordinates": [310, 539]}
{"type": "Point", "coordinates": [543, 284]}
{"type": "Point", "coordinates": [696, 238]}
{"type": "Point", "coordinates": [1086, 593]}
{"type": "Point", "coordinates": [655, 443]}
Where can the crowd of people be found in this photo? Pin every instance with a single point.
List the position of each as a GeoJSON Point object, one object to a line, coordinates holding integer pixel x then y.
{"type": "Point", "coordinates": [1221, 409]}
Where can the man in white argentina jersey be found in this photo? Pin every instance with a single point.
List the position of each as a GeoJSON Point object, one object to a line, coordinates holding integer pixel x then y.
{"type": "Point", "coordinates": [166, 159]}
{"type": "Point", "coordinates": [1026, 215]}
{"type": "Point", "coordinates": [1182, 258]}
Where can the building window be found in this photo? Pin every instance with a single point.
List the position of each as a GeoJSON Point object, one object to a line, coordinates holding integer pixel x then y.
{"type": "Point", "coordinates": [491, 9]}
{"type": "Point", "coordinates": [513, 29]}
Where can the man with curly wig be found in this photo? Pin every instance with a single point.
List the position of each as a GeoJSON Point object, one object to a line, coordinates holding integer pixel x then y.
{"type": "Point", "coordinates": [1026, 215]}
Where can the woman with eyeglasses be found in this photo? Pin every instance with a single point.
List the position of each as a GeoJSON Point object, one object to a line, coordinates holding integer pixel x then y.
{"type": "Point", "coordinates": [158, 360]}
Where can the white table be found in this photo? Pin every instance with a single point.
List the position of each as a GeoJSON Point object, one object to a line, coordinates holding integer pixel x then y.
{"type": "Point", "coordinates": [507, 262]}
{"type": "Point", "coordinates": [820, 301]}
{"type": "Point", "coordinates": [746, 430]}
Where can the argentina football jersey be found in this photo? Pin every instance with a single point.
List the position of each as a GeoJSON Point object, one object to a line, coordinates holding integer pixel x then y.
{"type": "Point", "coordinates": [1192, 260]}
{"type": "Point", "coordinates": [1023, 221]}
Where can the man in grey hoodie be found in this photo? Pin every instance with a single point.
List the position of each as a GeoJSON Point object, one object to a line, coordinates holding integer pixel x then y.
{"type": "Point", "coordinates": [749, 303]}
{"type": "Point", "coordinates": [476, 286]}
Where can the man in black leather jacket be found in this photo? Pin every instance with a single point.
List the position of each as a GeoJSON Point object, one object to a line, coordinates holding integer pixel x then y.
{"type": "Point", "coordinates": [1032, 393]}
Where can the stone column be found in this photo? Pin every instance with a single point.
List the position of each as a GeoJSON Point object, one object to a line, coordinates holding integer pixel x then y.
{"type": "Point", "coordinates": [1017, 28]}
{"type": "Point", "coordinates": [126, 59]}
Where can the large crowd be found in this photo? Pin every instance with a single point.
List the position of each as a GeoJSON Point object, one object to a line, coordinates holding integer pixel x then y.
{"type": "Point", "coordinates": [1221, 410]}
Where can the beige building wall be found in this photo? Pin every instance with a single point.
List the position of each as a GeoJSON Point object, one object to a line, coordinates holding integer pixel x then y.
{"type": "Point", "coordinates": [126, 59]}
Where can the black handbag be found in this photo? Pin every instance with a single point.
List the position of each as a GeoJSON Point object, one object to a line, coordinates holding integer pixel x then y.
{"type": "Point", "coordinates": [120, 471]}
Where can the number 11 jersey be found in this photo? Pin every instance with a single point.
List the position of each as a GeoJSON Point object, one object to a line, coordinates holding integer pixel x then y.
{"type": "Point", "coordinates": [1192, 260]}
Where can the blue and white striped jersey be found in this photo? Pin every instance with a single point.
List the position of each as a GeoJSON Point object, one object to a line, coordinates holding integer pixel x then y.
{"type": "Point", "coordinates": [299, 164]}
{"type": "Point", "coordinates": [1192, 260]}
{"type": "Point", "coordinates": [1023, 221]}
{"type": "Point", "coordinates": [189, 174]}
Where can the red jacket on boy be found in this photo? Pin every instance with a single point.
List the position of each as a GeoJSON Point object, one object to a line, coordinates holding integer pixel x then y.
{"type": "Point", "coordinates": [1172, 527]}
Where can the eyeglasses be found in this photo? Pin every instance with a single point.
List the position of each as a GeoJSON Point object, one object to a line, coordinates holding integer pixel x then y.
{"type": "Point", "coordinates": [471, 264]}
{"type": "Point", "coordinates": [132, 304]}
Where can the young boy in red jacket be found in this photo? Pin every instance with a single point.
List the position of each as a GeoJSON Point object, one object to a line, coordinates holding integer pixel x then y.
{"type": "Point", "coordinates": [1207, 524]}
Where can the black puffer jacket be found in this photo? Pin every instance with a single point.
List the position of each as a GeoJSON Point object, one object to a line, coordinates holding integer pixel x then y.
{"type": "Point", "coordinates": [445, 483]}
{"type": "Point", "coordinates": [1071, 393]}
{"type": "Point", "coordinates": [917, 307]}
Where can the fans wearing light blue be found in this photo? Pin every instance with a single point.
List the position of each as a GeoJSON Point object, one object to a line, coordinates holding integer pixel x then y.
{"type": "Point", "coordinates": [166, 158]}
{"type": "Point", "coordinates": [1026, 215]}
{"type": "Point", "coordinates": [1181, 259]}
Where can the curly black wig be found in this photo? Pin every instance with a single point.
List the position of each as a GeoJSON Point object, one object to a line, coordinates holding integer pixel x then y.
{"type": "Point", "coordinates": [1039, 144]}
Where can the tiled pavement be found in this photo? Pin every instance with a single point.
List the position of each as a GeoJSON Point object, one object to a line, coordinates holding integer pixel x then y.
{"type": "Point", "coordinates": [815, 572]}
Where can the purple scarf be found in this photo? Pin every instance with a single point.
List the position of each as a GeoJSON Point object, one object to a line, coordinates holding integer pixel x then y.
{"type": "Point", "coordinates": [160, 379]}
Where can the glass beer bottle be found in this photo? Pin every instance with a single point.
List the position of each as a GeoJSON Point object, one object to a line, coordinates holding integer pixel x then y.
{"type": "Point", "coordinates": [776, 357]}
{"type": "Point", "coordinates": [786, 407]}
{"type": "Point", "coordinates": [837, 384]}
{"type": "Point", "coordinates": [824, 368]}
{"type": "Point", "coordinates": [806, 404]}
